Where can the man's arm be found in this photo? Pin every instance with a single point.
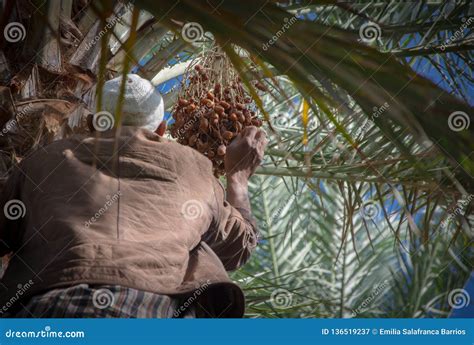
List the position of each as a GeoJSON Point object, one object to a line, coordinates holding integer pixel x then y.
{"type": "Point", "coordinates": [243, 156]}
{"type": "Point", "coordinates": [235, 234]}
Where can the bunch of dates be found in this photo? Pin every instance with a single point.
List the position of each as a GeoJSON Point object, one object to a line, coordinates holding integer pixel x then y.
{"type": "Point", "coordinates": [211, 111]}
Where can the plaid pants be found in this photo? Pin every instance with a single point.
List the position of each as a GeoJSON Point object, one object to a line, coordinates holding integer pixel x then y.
{"type": "Point", "coordinates": [107, 301]}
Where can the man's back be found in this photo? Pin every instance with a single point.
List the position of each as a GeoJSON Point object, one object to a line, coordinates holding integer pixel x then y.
{"type": "Point", "coordinates": [137, 218]}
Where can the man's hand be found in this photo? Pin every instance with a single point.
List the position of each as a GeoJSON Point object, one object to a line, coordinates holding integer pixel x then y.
{"type": "Point", "coordinates": [245, 153]}
{"type": "Point", "coordinates": [243, 156]}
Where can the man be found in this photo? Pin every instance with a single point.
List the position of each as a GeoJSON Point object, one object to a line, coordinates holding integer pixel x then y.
{"type": "Point", "coordinates": [127, 223]}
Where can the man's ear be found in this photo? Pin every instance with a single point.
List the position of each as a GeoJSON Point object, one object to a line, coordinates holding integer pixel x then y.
{"type": "Point", "coordinates": [161, 128]}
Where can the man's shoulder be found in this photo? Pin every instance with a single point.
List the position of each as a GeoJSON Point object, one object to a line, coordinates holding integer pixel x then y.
{"type": "Point", "coordinates": [186, 158]}
{"type": "Point", "coordinates": [187, 154]}
{"type": "Point", "coordinates": [55, 147]}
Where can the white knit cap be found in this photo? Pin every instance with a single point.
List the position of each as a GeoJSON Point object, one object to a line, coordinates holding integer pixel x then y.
{"type": "Point", "coordinates": [142, 105]}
